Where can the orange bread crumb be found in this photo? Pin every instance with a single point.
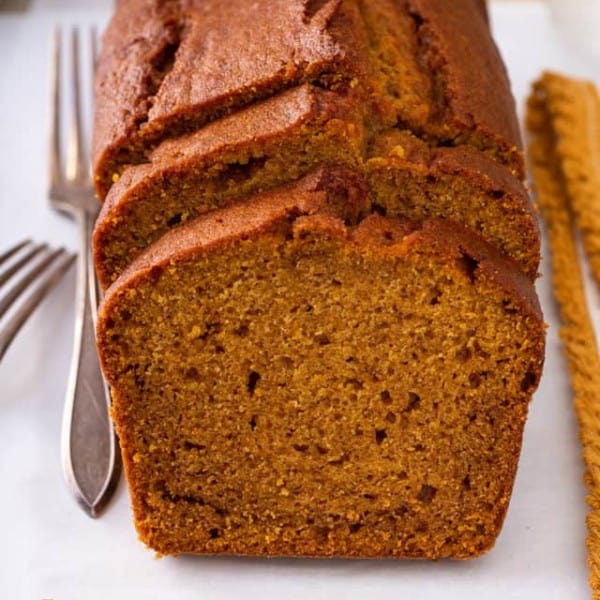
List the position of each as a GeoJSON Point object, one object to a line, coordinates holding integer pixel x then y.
{"type": "Point", "coordinates": [286, 384]}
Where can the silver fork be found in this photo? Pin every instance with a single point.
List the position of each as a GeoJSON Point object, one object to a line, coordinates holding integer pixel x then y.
{"type": "Point", "coordinates": [91, 461]}
{"type": "Point", "coordinates": [28, 272]}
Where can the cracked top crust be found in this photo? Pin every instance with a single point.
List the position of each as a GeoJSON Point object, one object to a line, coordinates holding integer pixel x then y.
{"type": "Point", "coordinates": [170, 66]}
{"type": "Point", "coordinates": [166, 63]}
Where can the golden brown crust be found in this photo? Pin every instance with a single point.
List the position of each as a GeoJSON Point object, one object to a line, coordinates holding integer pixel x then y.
{"type": "Point", "coordinates": [482, 5]}
{"type": "Point", "coordinates": [267, 144]}
{"type": "Point", "coordinates": [408, 178]}
{"type": "Point", "coordinates": [488, 262]}
{"type": "Point", "coordinates": [458, 50]}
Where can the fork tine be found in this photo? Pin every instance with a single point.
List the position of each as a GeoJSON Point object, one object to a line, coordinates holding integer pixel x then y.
{"type": "Point", "coordinates": [46, 282]}
{"type": "Point", "coordinates": [93, 51]}
{"type": "Point", "coordinates": [11, 251]}
{"type": "Point", "coordinates": [19, 264]}
{"type": "Point", "coordinates": [55, 160]}
{"type": "Point", "coordinates": [76, 168]}
{"type": "Point", "coordinates": [16, 290]}
{"type": "Point", "coordinates": [92, 89]}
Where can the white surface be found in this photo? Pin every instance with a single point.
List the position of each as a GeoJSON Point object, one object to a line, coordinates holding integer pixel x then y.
{"type": "Point", "coordinates": [50, 549]}
{"type": "Point", "coordinates": [580, 20]}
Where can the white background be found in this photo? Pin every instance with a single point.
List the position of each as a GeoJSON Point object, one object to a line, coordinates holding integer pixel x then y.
{"type": "Point", "coordinates": [50, 549]}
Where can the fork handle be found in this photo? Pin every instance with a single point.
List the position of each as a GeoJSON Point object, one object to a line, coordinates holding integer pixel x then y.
{"type": "Point", "coordinates": [91, 461]}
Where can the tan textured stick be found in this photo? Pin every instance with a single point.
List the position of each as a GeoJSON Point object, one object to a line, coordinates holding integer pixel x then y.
{"type": "Point", "coordinates": [573, 107]}
{"type": "Point", "coordinates": [548, 157]}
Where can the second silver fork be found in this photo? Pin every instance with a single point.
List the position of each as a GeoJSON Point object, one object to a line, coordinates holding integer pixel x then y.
{"type": "Point", "coordinates": [91, 459]}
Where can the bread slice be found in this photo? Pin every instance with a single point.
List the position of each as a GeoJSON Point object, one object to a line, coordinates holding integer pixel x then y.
{"type": "Point", "coordinates": [408, 178]}
{"type": "Point", "coordinates": [267, 144]}
{"type": "Point", "coordinates": [287, 382]}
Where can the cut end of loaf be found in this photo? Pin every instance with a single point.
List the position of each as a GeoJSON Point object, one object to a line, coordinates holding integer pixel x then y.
{"type": "Point", "coordinates": [322, 390]}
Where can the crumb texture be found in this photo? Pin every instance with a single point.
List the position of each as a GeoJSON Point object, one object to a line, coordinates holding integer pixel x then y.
{"type": "Point", "coordinates": [240, 400]}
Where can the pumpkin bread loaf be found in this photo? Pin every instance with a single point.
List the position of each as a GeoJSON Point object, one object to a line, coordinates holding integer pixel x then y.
{"type": "Point", "coordinates": [320, 326]}
{"type": "Point", "coordinates": [286, 382]}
